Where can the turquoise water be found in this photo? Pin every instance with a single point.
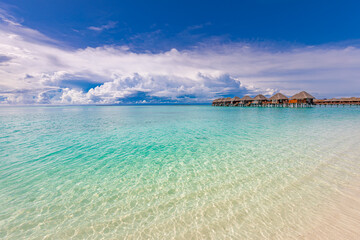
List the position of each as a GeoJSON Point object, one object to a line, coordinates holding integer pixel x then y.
{"type": "Point", "coordinates": [184, 172]}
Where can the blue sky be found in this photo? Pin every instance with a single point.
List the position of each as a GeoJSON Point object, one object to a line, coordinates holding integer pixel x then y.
{"type": "Point", "coordinates": [86, 52]}
{"type": "Point", "coordinates": [183, 23]}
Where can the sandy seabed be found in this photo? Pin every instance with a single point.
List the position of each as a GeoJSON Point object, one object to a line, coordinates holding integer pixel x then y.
{"type": "Point", "coordinates": [338, 219]}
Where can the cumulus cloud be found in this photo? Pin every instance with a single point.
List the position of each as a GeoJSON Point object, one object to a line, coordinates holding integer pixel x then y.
{"type": "Point", "coordinates": [35, 69]}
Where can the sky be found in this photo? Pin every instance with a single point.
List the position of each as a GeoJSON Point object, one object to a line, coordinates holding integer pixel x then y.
{"type": "Point", "coordinates": [141, 52]}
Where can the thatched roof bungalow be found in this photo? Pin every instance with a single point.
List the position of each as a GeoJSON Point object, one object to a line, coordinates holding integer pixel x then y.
{"type": "Point", "coordinates": [259, 99]}
{"type": "Point", "coordinates": [219, 102]}
{"type": "Point", "coordinates": [235, 101]}
{"type": "Point", "coordinates": [279, 98]}
{"type": "Point", "coordinates": [302, 98]}
{"type": "Point", "coordinates": [246, 100]}
{"type": "Point", "coordinates": [216, 102]}
{"type": "Point", "coordinates": [227, 101]}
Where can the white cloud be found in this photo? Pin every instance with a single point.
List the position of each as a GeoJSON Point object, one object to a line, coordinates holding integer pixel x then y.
{"type": "Point", "coordinates": [7, 18]}
{"type": "Point", "coordinates": [34, 69]}
{"type": "Point", "coordinates": [109, 25]}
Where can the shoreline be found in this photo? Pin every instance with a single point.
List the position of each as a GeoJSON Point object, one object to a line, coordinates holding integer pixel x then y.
{"type": "Point", "coordinates": [338, 219]}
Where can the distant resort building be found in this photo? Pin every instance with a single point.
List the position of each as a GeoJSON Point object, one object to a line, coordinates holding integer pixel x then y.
{"type": "Point", "coordinates": [235, 101]}
{"type": "Point", "coordinates": [301, 99]}
{"type": "Point", "coordinates": [259, 100]}
{"type": "Point", "coordinates": [279, 99]}
{"type": "Point", "coordinates": [337, 101]}
{"type": "Point", "coordinates": [246, 101]}
{"type": "Point", "coordinates": [227, 101]}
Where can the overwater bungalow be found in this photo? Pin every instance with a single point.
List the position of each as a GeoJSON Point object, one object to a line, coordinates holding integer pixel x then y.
{"type": "Point", "coordinates": [279, 100]}
{"type": "Point", "coordinates": [221, 102]}
{"type": "Point", "coordinates": [246, 101]}
{"type": "Point", "coordinates": [235, 101]}
{"type": "Point", "coordinates": [216, 102]}
{"type": "Point", "coordinates": [302, 98]}
{"type": "Point", "coordinates": [227, 101]}
{"type": "Point", "coordinates": [259, 100]}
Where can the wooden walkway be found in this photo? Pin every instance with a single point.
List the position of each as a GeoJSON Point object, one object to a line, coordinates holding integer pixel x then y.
{"type": "Point", "coordinates": [338, 102]}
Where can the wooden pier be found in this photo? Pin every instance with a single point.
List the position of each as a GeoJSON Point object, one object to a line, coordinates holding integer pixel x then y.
{"type": "Point", "coordinates": [299, 100]}
{"type": "Point", "coordinates": [338, 102]}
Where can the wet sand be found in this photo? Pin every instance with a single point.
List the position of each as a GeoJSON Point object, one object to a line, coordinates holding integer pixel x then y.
{"type": "Point", "coordinates": [338, 219]}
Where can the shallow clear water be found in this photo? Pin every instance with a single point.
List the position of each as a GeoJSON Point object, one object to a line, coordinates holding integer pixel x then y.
{"type": "Point", "coordinates": [185, 172]}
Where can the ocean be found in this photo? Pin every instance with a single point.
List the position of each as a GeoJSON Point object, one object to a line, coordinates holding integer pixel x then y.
{"type": "Point", "coordinates": [178, 172]}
